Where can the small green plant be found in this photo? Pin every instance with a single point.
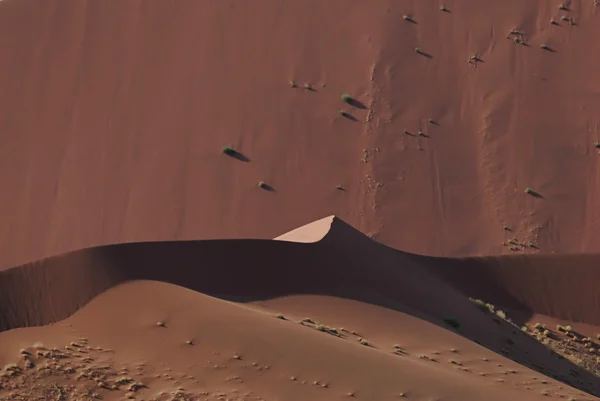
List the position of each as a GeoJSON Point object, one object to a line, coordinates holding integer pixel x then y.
{"type": "Point", "coordinates": [501, 314]}
{"type": "Point", "coordinates": [421, 133]}
{"type": "Point", "coordinates": [229, 151]}
{"type": "Point", "coordinates": [418, 50]}
{"type": "Point", "coordinates": [529, 191]}
{"type": "Point", "coordinates": [452, 322]}
{"type": "Point", "coordinates": [524, 329]}
{"type": "Point", "coordinates": [280, 316]}
{"type": "Point", "coordinates": [347, 98]}
{"type": "Point", "coordinates": [342, 112]}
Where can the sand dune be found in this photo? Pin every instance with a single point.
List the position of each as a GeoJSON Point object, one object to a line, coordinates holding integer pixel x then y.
{"type": "Point", "coordinates": [119, 112]}
{"type": "Point", "coordinates": [266, 362]}
{"type": "Point", "coordinates": [149, 153]}
{"type": "Point", "coordinates": [333, 270]}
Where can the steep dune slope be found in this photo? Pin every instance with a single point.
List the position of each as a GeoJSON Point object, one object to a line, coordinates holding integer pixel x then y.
{"type": "Point", "coordinates": [114, 114]}
{"type": "Point", "coordinates": [379, 286]}
{"type": "Point", "coordinates": [210, 349]}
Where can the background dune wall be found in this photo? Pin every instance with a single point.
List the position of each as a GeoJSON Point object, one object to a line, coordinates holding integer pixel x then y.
{"type": "Point", "coordinates": [344, 263]}
{"type": "Point", "coordinates": [113, 115]}
{"type": "Point", "coordinates": [562, 286]}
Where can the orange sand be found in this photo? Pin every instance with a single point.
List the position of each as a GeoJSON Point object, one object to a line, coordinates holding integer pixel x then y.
{"type": "Point", "coordinates": [119, 209]}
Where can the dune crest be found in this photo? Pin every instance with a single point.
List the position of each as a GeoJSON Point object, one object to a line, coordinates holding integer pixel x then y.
{"type": "Point", "coordinates": [310, 233]}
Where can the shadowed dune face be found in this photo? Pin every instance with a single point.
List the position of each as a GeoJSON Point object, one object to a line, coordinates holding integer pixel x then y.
{"type": "Point", "coordinates": [114, 115]}
{"type": "Point", "coordinates": [331, 259]}
{"type": "Point", "coordinates": [114, 118]}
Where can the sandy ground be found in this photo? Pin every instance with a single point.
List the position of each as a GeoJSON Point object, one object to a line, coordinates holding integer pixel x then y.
{"type": "Point", "coordinates": [142, 251]}
{"type": "Point", "coordinates": [338, 316]}
{"type": "Point", "coordinates": [120, 111]}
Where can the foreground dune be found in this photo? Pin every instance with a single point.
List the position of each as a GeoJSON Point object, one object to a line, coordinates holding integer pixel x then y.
{"type": "Point", "coordinates": [334, 275]}
{"type": "Point", "coordinates": [237, 353]}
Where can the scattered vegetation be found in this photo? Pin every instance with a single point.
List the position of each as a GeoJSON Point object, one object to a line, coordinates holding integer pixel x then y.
{"type": "Point", "coordinates": [229, 151]}
{"type": "Point", "coordinates": [280, 316]}
{"type": "Point", "coordinates": [484, 306]}
{"type": "Point", "coordinates": [529, 191]}
{"type": "Point", "coordinates": [161, 324]}
{"type": "Point", "coordinates": [347, 98]}
{"type": "Point", "coordinates": [452, 322]}
{"type": "Point", "coordinates": [362, 341]}
{"type": "Point", "coordinates": [408, 18]}
{"type": "Point", "coordinates": [444, 9]}
{"type": "Point", "coordinates": [293, 84]}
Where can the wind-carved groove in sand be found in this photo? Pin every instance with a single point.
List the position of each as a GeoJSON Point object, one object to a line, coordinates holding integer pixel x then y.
{"type": "Point", "coordinates": [495, 159]}
{"type": "Point", "coordinates": [369, 184]}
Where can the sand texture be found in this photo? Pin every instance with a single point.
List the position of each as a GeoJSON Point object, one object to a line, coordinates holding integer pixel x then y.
{"type": "Point", "coordinates": [167, 168]}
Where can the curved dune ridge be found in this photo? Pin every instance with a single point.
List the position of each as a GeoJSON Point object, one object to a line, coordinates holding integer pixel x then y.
{"type": "Point", "coordinates": [329, 260]}
{"type": "Point", "coordinates": [326, 256]}
{"type": "Point", "coordinates": [451, 132]}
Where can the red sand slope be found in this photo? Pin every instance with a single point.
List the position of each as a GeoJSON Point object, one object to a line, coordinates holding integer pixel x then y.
{"type": "Point", "coordinates": [343, 279]}
{"type": "Point", "coordinates": [113, 115]}
{"type": "Point", "coordinates": [272, 359]}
